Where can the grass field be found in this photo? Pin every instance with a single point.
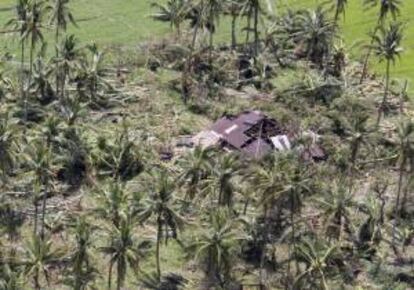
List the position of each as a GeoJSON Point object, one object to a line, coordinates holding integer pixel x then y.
{"type": "Point", "coordinates": [127, 22]}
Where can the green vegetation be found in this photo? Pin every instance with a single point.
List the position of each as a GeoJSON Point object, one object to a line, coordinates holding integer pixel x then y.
{"type": "Point", "coordinates": [105, 183]}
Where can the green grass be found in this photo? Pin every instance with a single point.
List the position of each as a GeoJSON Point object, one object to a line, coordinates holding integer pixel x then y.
{"type": "Point", "coordinates": [127, 22]}
{"type": "Point", "coordinates": [359, 21]}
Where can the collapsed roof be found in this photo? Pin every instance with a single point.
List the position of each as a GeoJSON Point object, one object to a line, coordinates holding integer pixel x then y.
{"type": "Point", "coordinates": [250, 132]}
{"type": "Point", "coordinates": [254, 134]}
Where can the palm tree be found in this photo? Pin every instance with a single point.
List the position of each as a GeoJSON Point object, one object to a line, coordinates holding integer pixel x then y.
{"type": "Point", "coordinates": [335, 205]}
{"type": "Point", "coordinates": [7, 147]}
{"type": "Point", "coordinates": [10, 278]}
{"type": "Point", "coordinates": [160, 205]}
{"type": "Point", "coordinates": [221, 180]}
{"type": "Point", "coordinates": [316, 255]}
{"type": "Point", "coordinates": [90, 78]}
{"type": "Point", "coordinates": [174, 12]}
{"type": "Point", "coordinates": [39, 256]}
{"type": "Point", "coordinates": [214, 8]}
{"type": "Point", "coordinates": [196, 167]}
{"type": "Point", "coordinates": [40, 163]}
{"type": "Point", "coordinates": [386, 8]}
{"type": "Point", "coordinates": [41, 81]}
{"type": "Point", "coordinates": [316, 33]}
{"type": "Point", "coordinates": [67, 61]}
{"type": "Point", "coordinates": [60, 16]}
{"type": "Point", "coordinates": [169, 281]}
{"type": "Point", "coordinates": [112, 202]}
{"type": "Point", "coordinates": [123, 249]}
{"type": "Point", "coordinates": [233, 8]}
{"type": "Point", "coordinates": [339, 7]}
{"type": "Point", "coordinates": [33, 32]}
{"type": "Point", "coordinates": [217, 246]}
{"type": "Point", "coordinates": [387, 48]}
{"type": "Point", "coordinates": [406, 150]}
{"type": "Point", "coordinates": [20, 23]}
{"type": "Point", "coordinates": [82, 270]}
{"type": "Point", "coordinates": [253, 8]}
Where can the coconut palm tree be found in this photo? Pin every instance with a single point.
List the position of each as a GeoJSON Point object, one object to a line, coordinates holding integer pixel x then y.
{"type": "Point", "coordinates": [34, 29]}
{"type": "Point", "coordinates": [196, 167]}
{"type": "Point", "coordinates": [112, 202]}
{"type": "Point", "coordinates": [221, 181]}
{"type": "Point", "coordinates": [83, 271]}
{"type": "Point", "coordinates": [217, 245]}
{"type": "Point", "coordinates": [387, 47]}
{"type": "Point", "coordinates": [60, 17]}
{"type": "Point", "coordinates": [10, 278]}
{"type": "Point", "coordinates": [317, 33]}
{"type": "Point", "coordinates": [339, 8]}
{"type": "Point", "coordinates": [20, 24]}
{"type": "Point", "coordinates": [174, 11]}
{"type": "Point", "coordinates": [336, 204]}
{"type": "Point", "coordinates": [214, 9]}
{"type": "Point", "coordinates": [406, 151]}
{"type": "Point", "coordinates": [169, 281]}
{"type": "Point", "coordinates": [387, 7]}
{"type": "Point", "coordinates": [253, 9]}
{"type": "Point", "coordinates": [233, 8]}
{"type": "Point", "coordinates": [7, 147]}
{"type": "Point", "coordinates": [41, 81]}
{"type": "Point", "coordinates": [68, 60]}
{"type": "Point", "coordinates": [160, 206]}
{"type": "Point", "coordinates": [123, 249]}
{"type": "Point", "coordinates": [316, 255]}
{"type": "Point", "coordinates": [39, 256]}
{"type": "Point", "coordinates": [40, 161]}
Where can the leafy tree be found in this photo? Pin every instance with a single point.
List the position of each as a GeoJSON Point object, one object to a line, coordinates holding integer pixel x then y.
{"type": "Point", "coordinates": [386, 8]}
{"type": "Point", "coordinates": [123, 249]}
{"type": "Point", "coordinates": [387, 48]}
{"type": "Point", "coordinates": [160, 205]}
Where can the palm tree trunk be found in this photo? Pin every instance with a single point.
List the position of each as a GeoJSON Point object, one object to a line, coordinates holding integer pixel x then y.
{"type": "Point", "coordinates": [57, 61]}
{"type": "Point", "coordinates": [367, 56]}
{"type": "Point", "coordinates": [233, 31]}
{"type": "Point", "coordinates": [22, 92]}
{"type": "Point", "coordinates": [157, 250]}
{"type": "Point", "coordinates": [381, 109]}
{"type": "Point", "coordinates": [36, 212]}
{"type": "Point", "coordinates": [186, 72]}
{"type": "Point", "coordinates": [42, 232]}
{"type": "Point", "coordinates": [397, 201]}
{"type": "Point", "coordinates": [110, 275]}
{"type": "Point", "coordinates": [256, 30]}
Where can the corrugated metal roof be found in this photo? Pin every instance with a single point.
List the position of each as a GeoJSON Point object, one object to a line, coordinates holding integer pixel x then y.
{"type": "Point", "coordinates": [236, 138]}
{"type": "Point", "coordinates": [222, 125]}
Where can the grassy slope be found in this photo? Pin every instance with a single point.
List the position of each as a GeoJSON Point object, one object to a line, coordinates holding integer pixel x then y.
{"type": "Point", "coordinates": [127, 22]}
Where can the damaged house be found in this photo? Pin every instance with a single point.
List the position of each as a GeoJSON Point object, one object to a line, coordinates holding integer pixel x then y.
{"type": "Point", "coordinates": [252, 133]}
